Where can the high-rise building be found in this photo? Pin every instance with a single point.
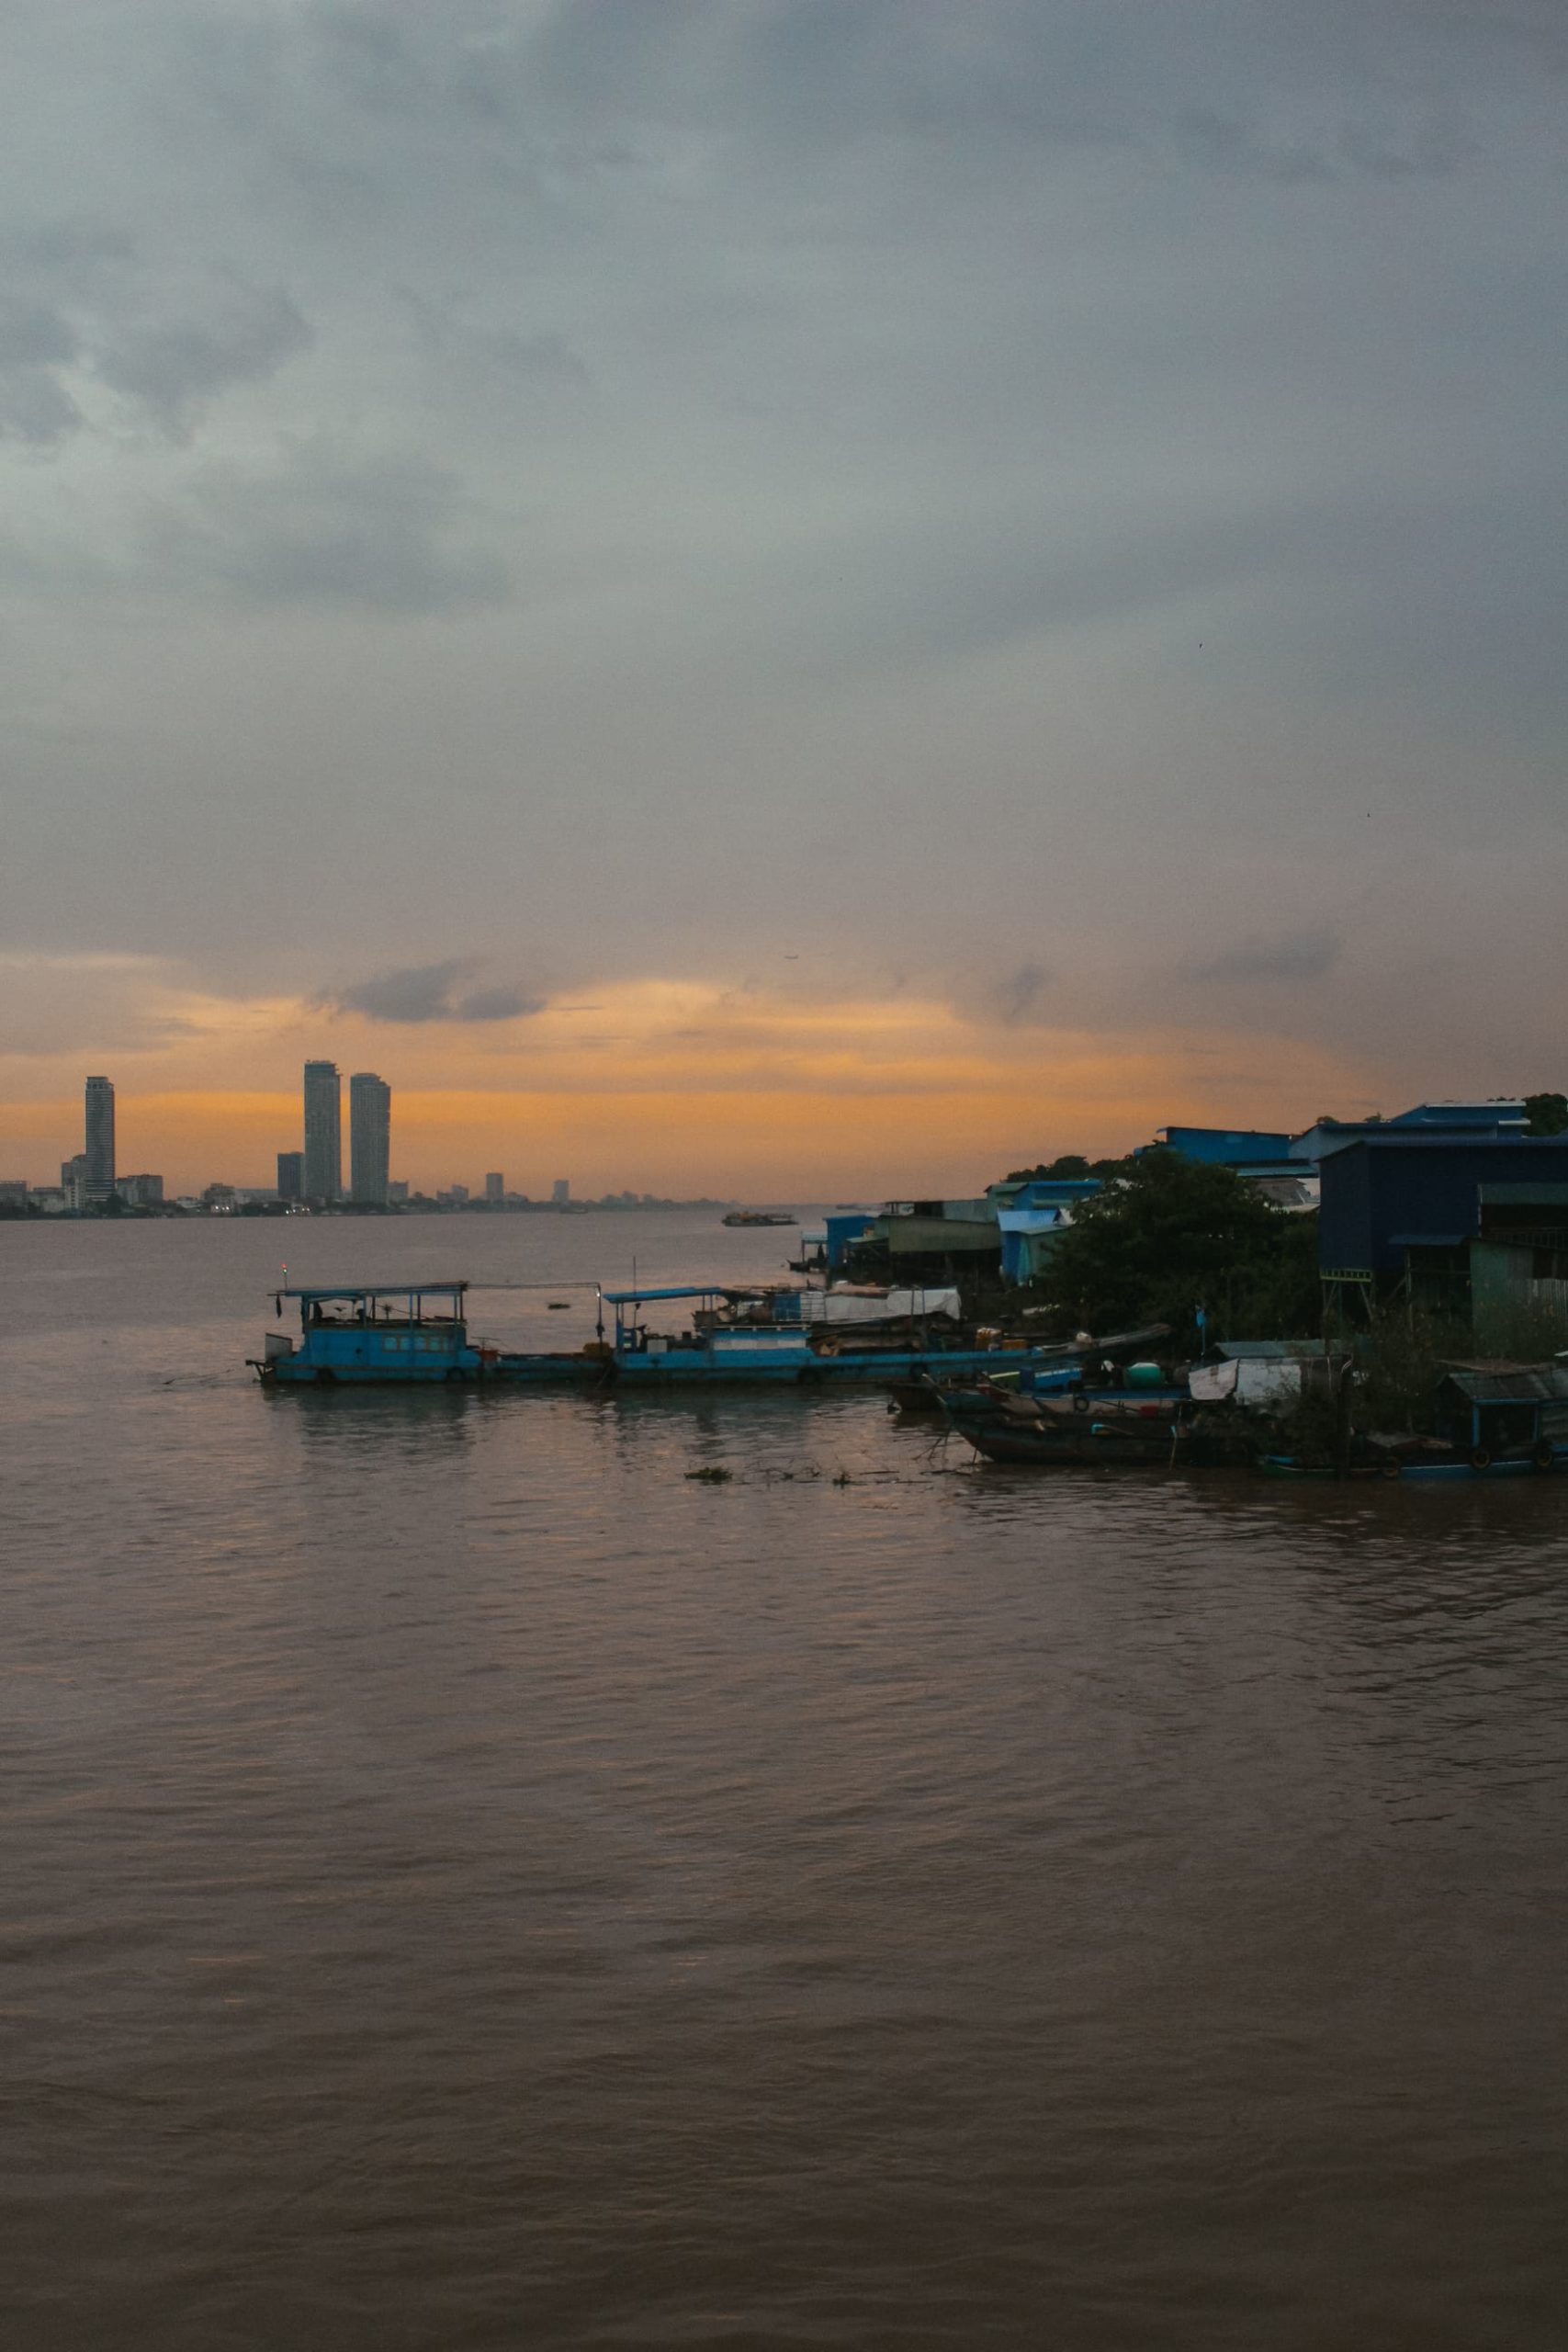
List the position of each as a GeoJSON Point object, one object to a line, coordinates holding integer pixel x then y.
{"type": "Point", "coordinates": [143, 1192]}
{"type": "Point", "coordinates": [560, 1190]}
{"type": "Point", "coordinates": [324, 1132]}
{"type": "Point", "coordinates": [370, 1136]}
{"type": "Point", "coordinates": [495, 1185]}
{"type": "Point", "coordinates": [74, 1179]}
{"type": "Point", "coordinates": [99, 1151]}
{"type": "Point", "coordinates": [290, 1175]}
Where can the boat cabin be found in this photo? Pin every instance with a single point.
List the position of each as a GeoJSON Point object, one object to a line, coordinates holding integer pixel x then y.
{"type": "Point", "coordinates": [1511, 1412]}
{"type": "Point", "coordinates": [379, 1331]}
{"type": "Point", "coordinates": [728, 1326]}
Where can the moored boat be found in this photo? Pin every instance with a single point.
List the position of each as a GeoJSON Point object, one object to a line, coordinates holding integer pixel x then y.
{"type": "Point", "coordinates": [1070, 1427]}
{"type": "Point", "coordinates": [732, 1336]}
{"type": "Point", "coordinates": [376, 1333]}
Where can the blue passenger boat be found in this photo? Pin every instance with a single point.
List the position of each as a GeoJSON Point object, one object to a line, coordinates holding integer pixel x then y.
{"type": "Point", "coordinates": [380, 1332]}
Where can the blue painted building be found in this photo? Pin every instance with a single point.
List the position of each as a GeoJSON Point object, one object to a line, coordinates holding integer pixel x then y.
{"type": "Point", "coordinates": [1032, 1213]}
{"type": "Point", "coordinates": [1502, 1119]}
{"type": "Point", "coordinates": [1240, 1148]}
{"type": "Point", "coordinates": [842, 1226]}
{"type": "Point", "coordinates": [1408, 1199]}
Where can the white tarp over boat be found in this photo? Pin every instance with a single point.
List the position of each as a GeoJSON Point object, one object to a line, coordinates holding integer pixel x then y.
{"type": "Point", "coordinates": [854, 1306]}
{"type": "Point", "coordinates": [1259, 1373]}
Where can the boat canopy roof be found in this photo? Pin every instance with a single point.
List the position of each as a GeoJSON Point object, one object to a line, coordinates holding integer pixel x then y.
{"type": "Point", "coordinates": [683, 1289]}
{"type": "Point", "coordinates": [378, 1290]}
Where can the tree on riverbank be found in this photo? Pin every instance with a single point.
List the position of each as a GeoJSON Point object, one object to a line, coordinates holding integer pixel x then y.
{"type": "Point", "coordinates": [1172, 1235]}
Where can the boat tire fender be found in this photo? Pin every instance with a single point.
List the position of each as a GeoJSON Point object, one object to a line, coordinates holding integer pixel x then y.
{"type": "Point", "coordinates": [326, 1377]}
{"type": "Point", "coordinates": [1081, 1402]}
{"type": "Point", "coordinates": [1545, 1456]}
{"type": "Point", "coordinates": [1479, 1457]}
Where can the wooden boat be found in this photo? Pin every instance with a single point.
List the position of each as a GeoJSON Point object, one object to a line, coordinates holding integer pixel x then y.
{"type": "Point", "coordinates": [1113, 1429]}
{"type": "Point", "coordinates": [1046, 1366]}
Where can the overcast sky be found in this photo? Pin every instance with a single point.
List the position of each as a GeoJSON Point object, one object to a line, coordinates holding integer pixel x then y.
{"type": "Point", "coordinates": [799, 594]}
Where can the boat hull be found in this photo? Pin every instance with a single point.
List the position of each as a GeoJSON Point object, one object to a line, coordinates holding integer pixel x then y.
{"type": "Point", "coordinates": [791, 1367]}
{"type": "Point", "coordinates": [787, 1366]}
{"type": "Point", "coordinates": [1050, 1449]}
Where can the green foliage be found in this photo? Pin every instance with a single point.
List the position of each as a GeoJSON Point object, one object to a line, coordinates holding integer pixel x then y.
{"type": "Point", "coordinates": [1525, 1330]}
{"type": "Point", "coordinates": [1399, 1363]}
{"type": "Point", "coordinates": [1173, 1234]}
{"type": "Point", "coordinates": [1069, 1165]}
{"type": "Point", "coordinates": [1547, 1114]}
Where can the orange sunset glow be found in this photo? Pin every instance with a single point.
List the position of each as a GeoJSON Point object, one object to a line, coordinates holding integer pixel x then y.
{"type": "Point", "coordinates": [668, 1086]}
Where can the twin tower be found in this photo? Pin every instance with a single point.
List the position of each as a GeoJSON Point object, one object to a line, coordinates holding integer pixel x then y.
{"type": "Point", "coordinates": [320, 1165]}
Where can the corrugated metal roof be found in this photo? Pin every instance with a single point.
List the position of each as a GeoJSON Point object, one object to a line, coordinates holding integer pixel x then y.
{"type": "Point", "coordinates": [1510, 1387]}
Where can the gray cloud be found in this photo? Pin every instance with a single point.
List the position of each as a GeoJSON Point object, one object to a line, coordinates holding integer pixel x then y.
{"type": "Point", "coordinates": [81, 299]}
{"type": "Point", "coordinates": [321, 526]}
{"type": "Point", "coordinates": [431, 992]}
{"type": "Point", "coordinates": [1091, 466]}
{"type": "Point", "coordinates": [1016, 996]}
{"type": "Point", "coordinates": [174, 366]}
{"type": "Point", "coordinates": [1289, 956]}
{"type": "Point", "coordinates": [36, 341]}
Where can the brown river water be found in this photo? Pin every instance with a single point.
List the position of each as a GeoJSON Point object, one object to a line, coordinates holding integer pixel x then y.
{"type": "Point", "coordinates": [464, 1883]}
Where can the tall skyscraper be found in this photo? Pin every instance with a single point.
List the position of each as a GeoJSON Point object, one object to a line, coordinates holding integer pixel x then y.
{"type": "Point", "coordinates": [324, 1132]}
{"type": "Point", "coordinates": [495, 1185]}
{"type": "Point", "coordinates": [370, 1136]}
{"type": "Point", "coordinates": [290, 1175]}
{"type": "Point", "coordinates": [100, 1139]}
{"type": "Point", "coordinates": [560, 1191]}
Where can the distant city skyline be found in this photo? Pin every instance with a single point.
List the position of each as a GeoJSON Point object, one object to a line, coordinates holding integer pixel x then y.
{"type": "Point", "coordinates": [372, 1186]}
